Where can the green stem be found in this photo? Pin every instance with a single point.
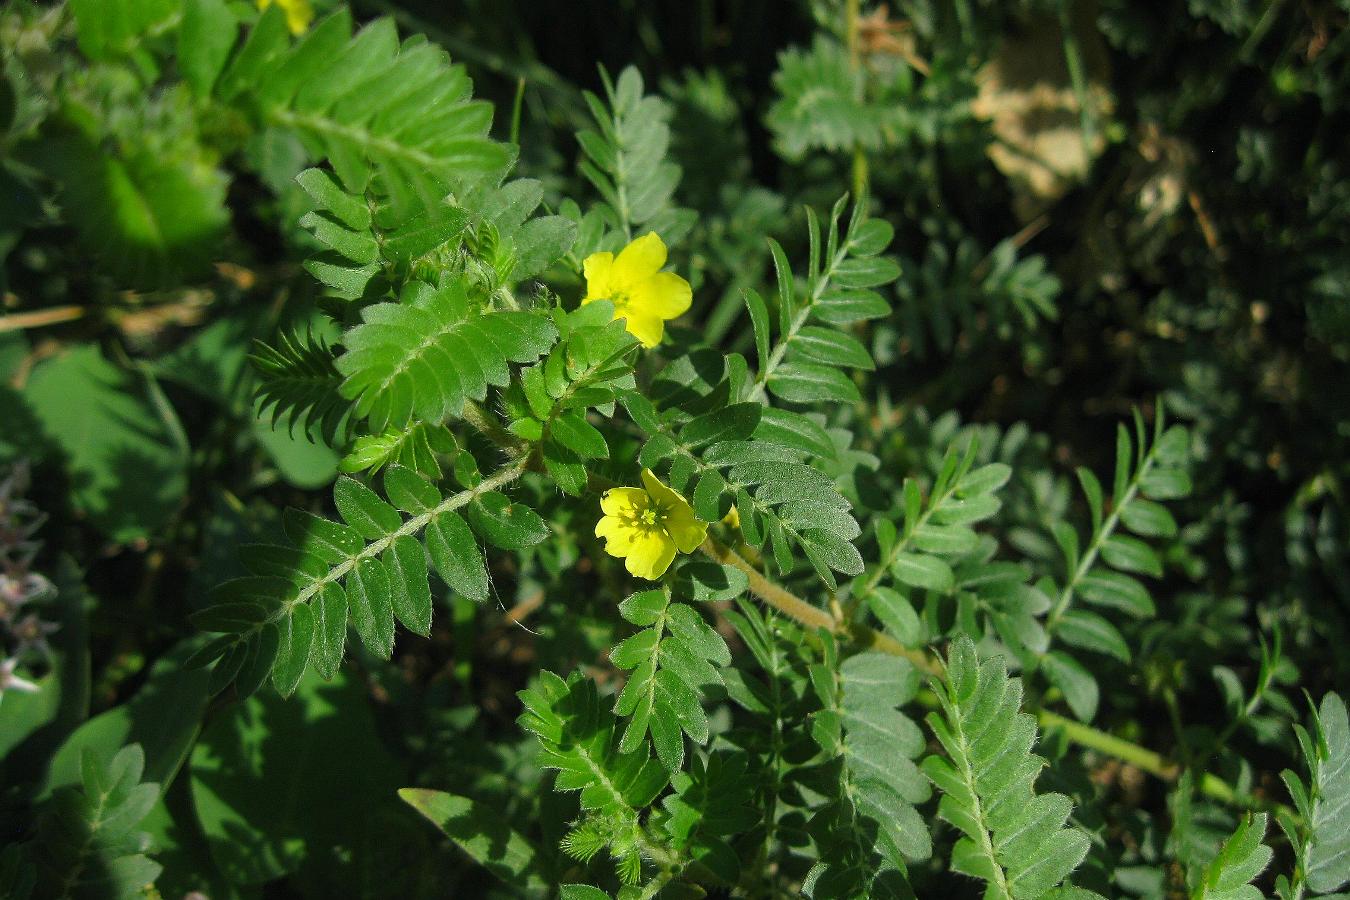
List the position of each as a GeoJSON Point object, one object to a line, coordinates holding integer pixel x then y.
{"type": "Point", "coordinates": [515, 109]}
{"type": "Point", "coordinates": [1142, 758]}
{"type": "Point", "coordinates": [851, 34]}
{"type": "Point", "coordinates": [1073, 58]}
{"type": "Point", "coordinates": [1259, 32]}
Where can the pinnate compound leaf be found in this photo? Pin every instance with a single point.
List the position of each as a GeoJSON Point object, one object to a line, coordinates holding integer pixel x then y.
{"type": "Point", "coordinates": [870, 826]}
{"type": "Point", "coordinates": [481, 833]}
{"type": "Point", "coordinates": [577, 738]}
{"type": "Point", "coordinates": [672, 662]}
{"type": "Point", "coordinates": [1014, 839]}
{"type": "Point", "coordinates": [433, 351]}
{"type": "Point", "coordinates": [87, 842]}
{"type": "Point", "coordinates": [712, 801]}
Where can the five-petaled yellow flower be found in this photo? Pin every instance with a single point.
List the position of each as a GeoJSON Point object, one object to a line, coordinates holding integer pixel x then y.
{"type": "Point", "coordinates": [642, 294]}
{"type": "Point", "coordinates": [647, 525]}
{"type": "Point", "coordinates": [299, 13]}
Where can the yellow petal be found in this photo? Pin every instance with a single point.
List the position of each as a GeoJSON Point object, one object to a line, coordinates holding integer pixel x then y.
{"type": "Point", "coordinates": [665, 294]}
{"type": "Point", "coordinates": [598, 268]}
{"type": "Point", "coordinates": [617, 533]}
{"type": "Point", "coordinates": [658, 491]}
{"type": "Point", "coordinates": [686, 530]}
{"type": "Point", "coordinates": [650, 555]}
{"type": "Point", "coordinates": [623, 501]}
{"type": "Point", "coordinates": [299, 13]}
{"type": "Point", "coordinates": [640, 260]}
{"type": "Point", "coordinates": [647, 329]}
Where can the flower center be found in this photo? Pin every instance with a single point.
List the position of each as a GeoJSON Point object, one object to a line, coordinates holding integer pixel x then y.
{"type": "Point", "coordinates": [650, 517]}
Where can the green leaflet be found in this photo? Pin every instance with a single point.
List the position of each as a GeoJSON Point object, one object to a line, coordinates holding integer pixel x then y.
{"type": "Point", "coordinates": [1014, 839]}
{"type": "Point", "coordinates": [477, 831]}
{"type": "Point", "coordinates": [1240, 860]}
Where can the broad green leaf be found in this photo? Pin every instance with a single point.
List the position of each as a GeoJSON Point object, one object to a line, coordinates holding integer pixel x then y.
{"type": "Point", "coordinates": [266, 807]}
{"type": "Point", "coordinates": [480, 832]}
{"type": "Point", "coordinates": [866, 273]}
{"type": "Point", "coordinates": [410, 592]}
{"type": "Point", "coordinates": [409, 491]}
{"type": "Point", "coordinates": [736, 422]}
{"type": "Point", "coordinates": [297, 639]}
{"type": "Point", "coordinates": [1092, 632]}
{"type": "Point", "coordinates": [330, 630]}
{"type": "Point", "coordinates": [897, 614]}
{"type": "Point", "coordinates": [581, 437]}
{"type": "Point", "coordinates": [1131, 555]}
{"type": "Point", "coordinates": [1106, 588]}
{"type": "Point", "coordinates": [1148, 519]}
{"type": "Point", "coordinates": [205, 38]}
{"type": "Point", "coordinates": [331, 542]}
{"type": "Point", "coordinates": [834, 348]}
{"type": "Point", "coordinates": [371, 606]}
{"type": "Point", "coordinates": [105, 424]}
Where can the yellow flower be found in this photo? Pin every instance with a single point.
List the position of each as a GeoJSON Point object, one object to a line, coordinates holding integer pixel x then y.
{"type": "Point", "coordinates": [642, 294]}
{"type": "Point", "coordinates": [647, 525]}
{"type": "Point", "coordinates": [299, 13]}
